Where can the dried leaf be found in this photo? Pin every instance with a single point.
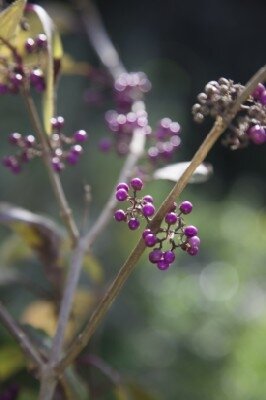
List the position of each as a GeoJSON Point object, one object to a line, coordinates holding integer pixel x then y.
{"type": "Point", "coordinates": [173, 172]}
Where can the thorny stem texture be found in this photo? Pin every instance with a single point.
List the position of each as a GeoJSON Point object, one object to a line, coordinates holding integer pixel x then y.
{"type": "Point", "coordinates": [21, 338]}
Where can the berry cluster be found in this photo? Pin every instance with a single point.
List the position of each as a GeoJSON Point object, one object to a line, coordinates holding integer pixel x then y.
{"type": "Point", "coordinates": [162, 142]}
{"type": "Point", "coordinates": [29, 148]}
{"type": "Point", "coordinates": [165, 140]}
{"type": "Point", "coordinates": [138, 208]}
{"type": "Point", "coordinates": [250, 123]}
{"type": "Point", "coordinates": [130, 87]}
{"type": "Point", "coordinates": [174, 235]}
{"type": "Point", "coordinates": [14, 73]}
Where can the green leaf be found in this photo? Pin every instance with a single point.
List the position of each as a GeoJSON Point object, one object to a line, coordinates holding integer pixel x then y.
{"type": "Point", "coordinates": [12, 361]}
{"type": "Point", "coordinates": [39, 233]}
{"type": "Point", "coordinates": [54, 55]}
{"type": "Point", "coordinates": [10, 18]}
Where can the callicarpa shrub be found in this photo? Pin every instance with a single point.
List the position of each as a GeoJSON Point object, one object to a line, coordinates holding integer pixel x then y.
{"type": "Point", "coordinates": [30, 58]}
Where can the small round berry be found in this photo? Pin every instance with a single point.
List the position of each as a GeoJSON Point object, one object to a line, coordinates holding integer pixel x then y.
{"type": "Point", "coordinates": [155, 255]}
{"type": "Point", "coordinates": [194, 241]}
{"type": "Point", "coordinates": [76, 149]}
{"type": "Point", "coordinates": [72, 158]}
{"type": "Point", "coordinates": [193, 251]}
{"type": "Point", "coordinates": [120, 215]}
{"type": "Point", "coordinates": [14, 138]}
{"type": "Point", "coordinates": [163, 265]}
{"type": "Point", "coordinates": [136, 183]}
{"type": "Point", "coordinates": [190, 230]}
{"type": "Point", "coordinates": [57, 122]}
{"type": "Point", "coordinates": [186, 207]}
{"type": "Point", "coordinates": [16, 80]}
{"type": "Point", "coordinates": [263, 98]}
{"type": "Point", "coordinates": [80, 136]}
{"type": "Point", "coordinates": [146, 232]}
{"type": "Point", "coordinates": [105, 144]}
{"type": "Point", "coordinates": [148, 198]}
{"type": "Point", "coordinates": [41, 41]}
{"type": "Point", "coordinates": [169, 256]}
{"type": "Point", "coordinates": [148, 210]}
{"type": "Point", "coordinates": [133, 223]}
{"type": "Point", "coordinates": [3, 88]}
{"type": "Point", "coordinates": [171, 218]}
{"type": "Point", "coordinates": [29, 141]}
{"type": "Point", "coordinates": [150, 240]}
{"type": "Point", "coordinates": [30, 45]}
{"type": "Point", "coordinates": [122, 185]}
{"type": "Point", "coordinates": [257, 134]}
{"type": "Point", "coordinates": [57, 164]}
{"type": "Point", "coordinates": [121, 195]}
{"type": "Point", "coordinates": [258, 91]}
{"type": "Point", "coordinates": [7, 161]}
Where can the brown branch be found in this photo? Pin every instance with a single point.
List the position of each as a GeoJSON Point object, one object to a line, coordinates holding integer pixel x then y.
{"type": "Point", "coordinates": [219, 127]}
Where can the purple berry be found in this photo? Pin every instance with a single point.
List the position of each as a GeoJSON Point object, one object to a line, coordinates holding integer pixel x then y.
{"type": "Point", "coordinates": [194, 241]}
{"type": "Point", "coordinates": [8, 161]}
{"type": "Point", "coordinates": [3, 88]}
{"type": "Point", "coordinates": [37, 79]}
{"type": "Point", "coordinates": [105, 144]}
{"type": "Point", "coordinates": [120, 215]}
{"type": "Point", "coordinates": [163, 265]}
{"type": "Point", "coordinates": [14, 138]}
{"type": "Point", "coordinates": [29, 141]}
{"type": "Point", "coordinates": [30, 45]}
{"type": "Point", "coordinates": [16, 80]}
{"type": "Point", "coordinates": [155, 255]}
{"type": "Point", "coordinates": [148, 210]}
{"type": "Point", "coordinates": [190, 230]}
{"type": "Point", "coordinates": [146, 232]}
{"type": "Point", "coordinates": [186, 207]}
{"type": "Point", "coordinates": [76, 149]}
{"type": "Point", "coordinates": [57, 164]}
{"type": "Point", "coordinates": [173, 207]}
{"type": "Point", "coordinates": [263, 98]}
{"type": "Point", "coordinates": [150, 240]}
{"type": "Point", "coordinates": [121, 195]}
{"type": "Point", "coordinates": [122, 185]}
{"type": "Point", "coordinates": [136, 184]}
{"type": "Point", "coordinates": [80, 136]}
{"type": "Point", "coordinates": [72, 158]}
{"type": "Point", "coordinates": [133, 223]}
{"type": "Point", "coordinates": [193, 251]}
{"type": "Point", "coordinates": [257, 134]}
{"type": "Point", "coordinates": [41, 41]}
{"type": "Point", "coordinates": [258, 91]}
{"type": "Point", "coordinates": [148, 198]}
{"type": "Point", "coordinates": [169, 256]}
{"type": "Point", "coordinates": [57, 122]}
{"type": "Point", "coordinates": [15, 167]}
{"type": "Point", "coordinates": [171, 218]}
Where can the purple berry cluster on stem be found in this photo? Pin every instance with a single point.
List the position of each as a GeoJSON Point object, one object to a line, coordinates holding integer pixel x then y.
{"type": "Point", "coordinates": [250, 123]}
{"type": "Point", "coordinates": [29, 148]}
{"type": "Point", "coordinates": [162, 142]}
{"type": "Point", "coordinates": [138, 208]}
{"type": "Point", "coordinates": [174, 234]}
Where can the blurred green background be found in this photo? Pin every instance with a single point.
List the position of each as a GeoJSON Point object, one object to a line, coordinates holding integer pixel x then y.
{"type": "Point", "coordinates": [198, 330]}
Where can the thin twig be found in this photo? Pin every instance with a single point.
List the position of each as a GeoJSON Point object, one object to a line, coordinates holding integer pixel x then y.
{"type": "Point", "coordinates": [65, 211]}
{"type": "Point", "coordinates": [219, 127]}
{"type": "Point", "coordinates": [103, 219]}
{"type": "Point", "coordinates": [21, 338]}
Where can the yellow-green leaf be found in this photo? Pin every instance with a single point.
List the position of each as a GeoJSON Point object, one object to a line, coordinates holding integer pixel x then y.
{"type": "Point", "coordinates": [10, 18]}
{"type": "Point", "coordinates": [12, 361]}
